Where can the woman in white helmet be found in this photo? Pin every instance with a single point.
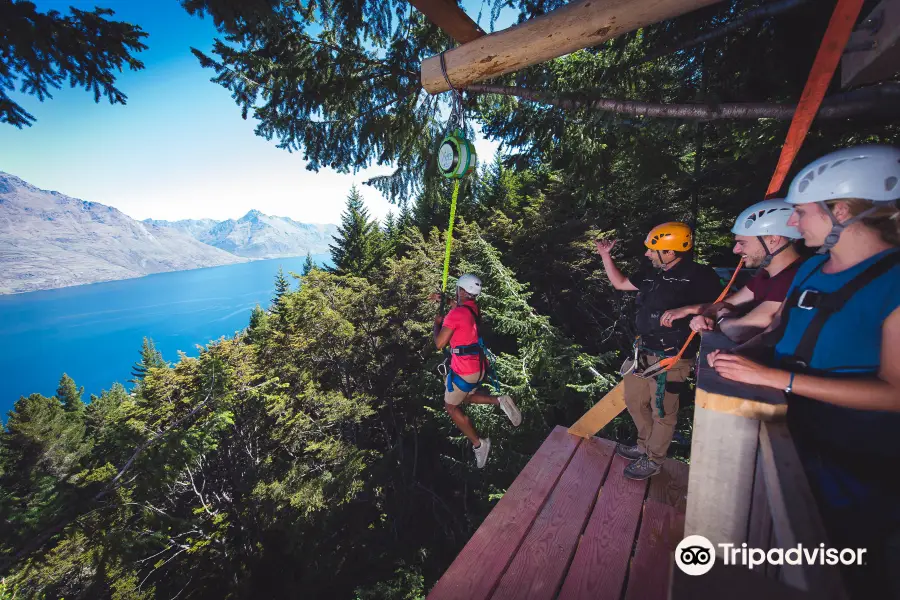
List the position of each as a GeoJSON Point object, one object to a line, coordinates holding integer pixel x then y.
{"type": "Point", "coordinates": [459, 330]}
{"type": "Point", "coordinates": [764, 239]}
{"type": "Point", "coordinates": [838, 354]}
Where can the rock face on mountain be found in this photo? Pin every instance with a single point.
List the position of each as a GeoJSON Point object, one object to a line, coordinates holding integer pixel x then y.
{"type": "Point", "coordinates": [49, 240]}
{"type": "Point", "coordinates": [257, 235]}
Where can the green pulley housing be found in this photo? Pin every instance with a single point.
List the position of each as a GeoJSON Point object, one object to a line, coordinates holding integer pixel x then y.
{"type": "Point", "coordinates": [456, 157]}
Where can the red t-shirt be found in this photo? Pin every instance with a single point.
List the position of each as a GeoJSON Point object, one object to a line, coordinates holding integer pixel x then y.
{"type": "Point", "coordinates": [461, 321]}
{"type": "Point", "coordinates": [773, 289]}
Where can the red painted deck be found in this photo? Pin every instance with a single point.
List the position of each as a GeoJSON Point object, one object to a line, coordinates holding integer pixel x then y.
{"type": "Point", "coordinates": [571, 526]}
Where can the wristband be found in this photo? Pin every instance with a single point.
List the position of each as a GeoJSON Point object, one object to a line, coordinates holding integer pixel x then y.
{"type": "Point", "coordinates": [790, 385]}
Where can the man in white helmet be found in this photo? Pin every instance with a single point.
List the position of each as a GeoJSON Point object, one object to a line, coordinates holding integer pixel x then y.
{"type": "Point", "coordinates": [764, 239]}
{"type": "Point", "coordinates": [459, 330]}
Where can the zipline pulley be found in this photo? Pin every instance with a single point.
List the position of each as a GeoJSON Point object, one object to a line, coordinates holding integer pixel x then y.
{"type": "Point", "coordinates": [456, 157]}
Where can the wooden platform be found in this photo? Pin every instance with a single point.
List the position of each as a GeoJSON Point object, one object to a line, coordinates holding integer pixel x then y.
{"type": "Point", "coordinates": [572, 526]}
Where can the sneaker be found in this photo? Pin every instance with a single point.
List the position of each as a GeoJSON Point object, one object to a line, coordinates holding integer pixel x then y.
{"type": "Point", "coordinates": [481, 452]}
{"type": "Point", "coordinates": [642, 468]}
{"type": "Point", "coordinates": [511, 410]}
{"type": "Point", "coordinates": [629, 452]}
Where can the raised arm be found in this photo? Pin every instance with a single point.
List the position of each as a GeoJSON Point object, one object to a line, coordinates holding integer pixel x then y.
{"type": "Point", "coordinates": [618, 281]}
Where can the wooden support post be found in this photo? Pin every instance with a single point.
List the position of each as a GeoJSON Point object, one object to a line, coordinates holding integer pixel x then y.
{"type": "Point", "coordinates": [724, 449]}
{"type": "Point", "coordinates": [577, 25]}
{"type": "Point", "coordinates": [606, 409]}
{"type": "Point", "coordinates": [447, 15]}
{"type": "Point", "coordinates": [873, 52]}
{"type": "Point", "coordinates": [720, 481]}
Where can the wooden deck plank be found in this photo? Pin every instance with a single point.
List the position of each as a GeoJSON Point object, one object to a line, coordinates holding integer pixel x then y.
{"type": "Point", "coordinates": [601, 561]}
{"type": "Point", "coordinates": [670, 485]}
{"type": "Point", "coordinates": [662, 528]}
{"type": "Point", "coordinates": [478, 568]}
{"type": "Point", "coordinates": [541, 562]}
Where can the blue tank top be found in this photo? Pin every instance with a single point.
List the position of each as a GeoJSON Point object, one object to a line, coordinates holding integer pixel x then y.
{"type": "Point", "coordinates": [849, 454]}
{"type": "Point", "coordinates": [850, 342]}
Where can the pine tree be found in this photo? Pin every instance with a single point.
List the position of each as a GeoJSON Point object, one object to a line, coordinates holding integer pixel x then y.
{"type": "Point", "coordinates": [281, 286]}
{"type": "Point", "coordinates": [391, 234]}
{"type": "Point", "coordinates": [49, 49]}
{"type": "Point", "coordinates": [308, 265]}
{"type": "Point", "coordinates": [358, 245]}
{"type": "Point", "coordinates": [69, 394]}
{"type": "Point", "coordinates": [151, 358]}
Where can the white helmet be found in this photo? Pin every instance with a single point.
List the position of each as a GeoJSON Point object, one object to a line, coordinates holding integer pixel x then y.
{"type": "Point", "coordinates": [768, 217]}
{"type": "Point", "coordinates": [869, 172]}
{"type": "Point", "coordinates": [470, 283]}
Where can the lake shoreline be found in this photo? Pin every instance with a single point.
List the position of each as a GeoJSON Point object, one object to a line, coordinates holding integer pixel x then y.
{"type": "Point", "coordinates": [114, 279]}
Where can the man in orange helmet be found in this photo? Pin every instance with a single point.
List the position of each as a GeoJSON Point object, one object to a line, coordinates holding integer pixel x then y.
{"type": "Point", "coordinates": [672, 281]}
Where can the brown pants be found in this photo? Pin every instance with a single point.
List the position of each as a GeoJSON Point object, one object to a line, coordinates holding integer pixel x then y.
{"type": "Point", "coordinates": [655, 432]}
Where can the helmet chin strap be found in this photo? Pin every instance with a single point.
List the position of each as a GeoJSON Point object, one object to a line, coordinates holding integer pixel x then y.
{"type": "Point", "coordinates": [837, 227]}
{"type": "Point", "coordinates": [662, 262]}
{"type": "Point", "coordinates": [770, 255]}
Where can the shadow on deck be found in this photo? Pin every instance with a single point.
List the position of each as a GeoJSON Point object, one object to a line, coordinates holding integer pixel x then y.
{"type": "Point", "coordinates": [572, 526]}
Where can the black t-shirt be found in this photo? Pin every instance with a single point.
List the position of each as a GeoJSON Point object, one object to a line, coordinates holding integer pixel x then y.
{"type": "Point", "coordinates": [686, 283]}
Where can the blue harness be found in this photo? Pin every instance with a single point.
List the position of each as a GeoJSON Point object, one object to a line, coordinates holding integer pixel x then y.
{"type": "Point", "coordinates": [486, 359]}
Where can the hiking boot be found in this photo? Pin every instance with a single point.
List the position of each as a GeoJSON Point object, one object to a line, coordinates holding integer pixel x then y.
{"type": "Point", "coordinates": [481, 452]}
{"type": "Point", "coordinates": [642, 468]}
{"type": "Point", "coordinates": [509, 407]}
{"type": "Point", "coordinates": [629, 452]}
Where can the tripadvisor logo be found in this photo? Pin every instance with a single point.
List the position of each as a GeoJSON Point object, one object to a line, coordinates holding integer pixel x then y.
{"type": "Point", "coordinates": [696, 555]}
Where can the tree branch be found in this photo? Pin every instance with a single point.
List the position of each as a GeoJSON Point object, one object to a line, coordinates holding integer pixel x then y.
{"type": "Point", "coordinates": [767, 10]}
{"type": "Point", "coordinates": [881, 97]}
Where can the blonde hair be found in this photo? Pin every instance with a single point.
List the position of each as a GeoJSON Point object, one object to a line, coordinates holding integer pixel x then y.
{"type": "Point", "coordinates": [885, 220]}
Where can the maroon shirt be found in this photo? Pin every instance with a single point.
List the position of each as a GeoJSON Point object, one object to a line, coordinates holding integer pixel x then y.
{"type": "Point", "coordinates": [773, 289]}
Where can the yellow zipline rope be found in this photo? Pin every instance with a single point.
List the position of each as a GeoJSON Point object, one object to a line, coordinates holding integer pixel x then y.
{"type": "Point", "coordinates": [450, 235]}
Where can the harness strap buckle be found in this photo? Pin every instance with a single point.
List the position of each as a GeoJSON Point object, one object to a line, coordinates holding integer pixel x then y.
{"type": "Point", "coordinates": [813, 296]}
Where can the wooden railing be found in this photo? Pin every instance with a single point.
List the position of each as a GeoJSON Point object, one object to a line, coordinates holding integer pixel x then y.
{"type": "Point", "coordinates": [747, 485]}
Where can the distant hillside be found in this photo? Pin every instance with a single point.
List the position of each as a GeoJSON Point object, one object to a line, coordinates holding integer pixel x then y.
{"type": "Point", "coordinates": [50, 240]}
{"type": "Point", "coordinates": [257, 235]}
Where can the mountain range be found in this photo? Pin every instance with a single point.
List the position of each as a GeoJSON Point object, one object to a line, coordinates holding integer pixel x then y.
{"type": "Point", "coordinates": [257, 235]}
{"type": "Point", "coordinates": [50, 240]}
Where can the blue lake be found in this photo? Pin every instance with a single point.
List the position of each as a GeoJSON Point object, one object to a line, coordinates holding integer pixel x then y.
{"type": "Point", "coordinates": [94, 332]}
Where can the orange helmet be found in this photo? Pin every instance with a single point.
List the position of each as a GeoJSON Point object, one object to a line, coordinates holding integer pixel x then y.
{"type": "Point", "coordinates": [670, 236]}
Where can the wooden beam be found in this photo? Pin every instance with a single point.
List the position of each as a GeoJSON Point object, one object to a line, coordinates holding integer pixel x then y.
{"type": "Point", "coordinates": [795, 518]}
{"type": "Point", "coordinates": [606, 409]}
{"type": "Point", "coordinates": [447, 15]}
{"type": "Point", "coordinates": [577, 25]}
{"type": "Point", "coordinates": [873, 52]}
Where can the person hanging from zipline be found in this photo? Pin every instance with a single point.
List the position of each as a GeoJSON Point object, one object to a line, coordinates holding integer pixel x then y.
{"type": "Point", "coordinates": [459, 330]}
{"type": "Point", "coordinates": [673, 280]}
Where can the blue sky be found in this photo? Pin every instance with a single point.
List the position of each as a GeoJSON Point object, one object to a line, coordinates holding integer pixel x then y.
{"type": "Point", "coordinates": [179, 148]}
